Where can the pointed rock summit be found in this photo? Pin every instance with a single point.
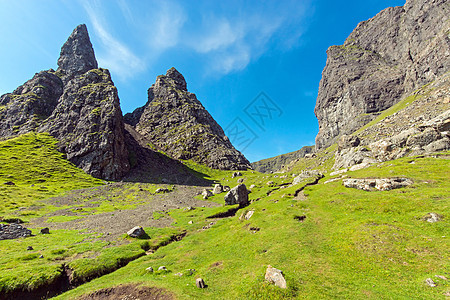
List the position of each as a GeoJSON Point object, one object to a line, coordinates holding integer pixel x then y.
{"type": "Point", "coordinates": [77, 55]}
{"type": "Point", "coordinates": [78, 105]}
{"type": "Point", "coordinates": [178, 124]}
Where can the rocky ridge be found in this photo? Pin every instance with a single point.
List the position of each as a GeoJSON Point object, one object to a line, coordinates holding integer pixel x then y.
{"type": "Point", "coordinates": [383, 59]}
{"type": "Point", "coordinates": [276, 163]}
{"type": "Point", "coordinates": [78, 105]}
{"type": "Point", "coordinates": [175, 122]}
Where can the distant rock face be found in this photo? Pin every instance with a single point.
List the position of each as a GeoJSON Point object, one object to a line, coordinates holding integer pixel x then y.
{"type": "Point", "coordinates": [276, 163]}
{"type": "Point", "coordinates": [178, 124]}
{"type": "Point", "coordinates": [384, 58]}
{"type": "Point", "coordinates": [78, 105]}
{"type": "Point", "coordinates": [77, 55]}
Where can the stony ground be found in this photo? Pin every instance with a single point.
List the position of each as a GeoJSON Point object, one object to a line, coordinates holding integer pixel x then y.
{"type": "Point", "coordinates": [112, 224]}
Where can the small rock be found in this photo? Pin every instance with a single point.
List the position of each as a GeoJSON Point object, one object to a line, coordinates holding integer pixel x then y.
{"type": "Point", "coordinates": [45, 230]}
{"type": "Point", "coordinates": [149, 269]}
{"type": "Point", "coordinates": [252, 186]}
{"type": "Point", "coordinates": [136, 232]}
{"type": "Point", "coordinates": [226, 188]}
{"type": "Point", "coordinates": [236, 174]}
{"type": "Point", "coordinates": [190, 272]}
{"type": "Point", "coordinates": [432, 217]}
{"type": "Point", "coordinates": [430, 282]}
{"type": "Point", "coordinates": [249, 214]}
{"type": "Point", "coordinates": [162, 190]}
{"type": "Point", "coordinates": [41, 256]}
{"type": "Point", "coordinates": [207, 193]}
{"type": "Point", "coordinates": [200, 283]}
{"type": "Point", "coordinates": [29, 248]}
{"type": "Point", "coordinates": [218, 188]}
{"type": "Point", "coordinates": [9, 183]}
{"type": "Point", "coordinates": [188, 208]}
{"type": "Point", "coordinates": [270, 183]}
{"type": "Point", "coordinates": [441, 277]}
{"type": "Point", "coordinates": [162, 268]}
{"type": "Point", "coordinates": [179, 274]}
{"type": "Point", "coordinates": [275, 276]}
{"type": "Point", "coordinates": [190, 222]}
{"type": "Point", "coordinates": [240, 180]}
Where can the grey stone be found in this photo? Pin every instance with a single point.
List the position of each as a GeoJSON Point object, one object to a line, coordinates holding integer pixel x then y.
{"type": "Point", "coordinates": [433, 217]}
{"type": "Point", "coordinates": [136, 232]}
{"type": "Point", "coordinates": [200, 283]}
{"type": "Point", "coordinates": [382, 60]}
{"type": "Point", "coordinates": [276, 277]}
{"type": "Point", "coordinates": [207, 193]}
{"type": "Point", "coordinates": [218, 188]}
{"type": "Point", "coordinates": [149, 269]}
{"type": "Point", "coordinates": [162, 268]}
{"type": "Point", "coordinates": [13, 231]}
{"type": "Point", "coordinates": [45, 230]}
{"type": "Point", "coordinates": [236, 174]}
{"type": "Point", "coordinates": [384, 184]}
{"type": "Point", "coordinates": [237, 195]}
{"type": "Point", "coordinates": [430, 282]}
{"type": "Point", "coordinates": [348, 141]}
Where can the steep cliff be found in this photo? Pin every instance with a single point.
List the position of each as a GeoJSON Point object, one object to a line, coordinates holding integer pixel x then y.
{"type": "Point", "coordinates": [276, 163]}
{"type": "Point", "coordinates": [178, 124]}
{"type": "Point", "coordinates": [78, 104]}
{"type": "Point", "coordinates": [383, 59]}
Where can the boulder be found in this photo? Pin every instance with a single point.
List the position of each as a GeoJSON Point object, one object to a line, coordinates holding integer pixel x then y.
{"type": "Point", "coordinates": [348, 141]}
{"type": "Point", "coordinates": [237, 195]}
{"type": "Point", "coordinates": [45, 230]}
{"type": "Point", "coordinates": [384, 184]}
{"type": "Point", "coordinates": [218, 188]}
{"type": "Point", "coordinates": [136, 232]}
{"type": "Point", "coordinates": [276, 277]}
{"type": "Point", "coordinates": [236, 174]}
{"type": "Point", "coordinates": [432, 217]}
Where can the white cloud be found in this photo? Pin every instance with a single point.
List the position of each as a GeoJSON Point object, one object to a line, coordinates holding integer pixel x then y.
{"type": "Point", "coordinates": [166, 27]}
{"type": "Point", "coordinates": [115, 56]}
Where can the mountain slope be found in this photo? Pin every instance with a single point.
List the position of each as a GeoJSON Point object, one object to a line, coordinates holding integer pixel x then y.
{"type": "Point", "coordinates": [178, 124]}
{"type": "Point", "coordinates": [276, 163]}
{"type": "Point", "coordinates": [383, 59]}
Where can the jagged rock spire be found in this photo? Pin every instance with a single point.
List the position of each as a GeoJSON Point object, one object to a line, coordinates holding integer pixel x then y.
{"type": "Point", "coordinates": [177, 77]}
{"type": "Point", "coordinates": [77, 55]}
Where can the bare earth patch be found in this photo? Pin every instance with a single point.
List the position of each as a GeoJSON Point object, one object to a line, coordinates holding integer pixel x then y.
{"type": "Point", "coordinates": [129, 292]}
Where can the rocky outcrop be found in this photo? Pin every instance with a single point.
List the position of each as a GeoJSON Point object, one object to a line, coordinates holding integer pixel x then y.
{"type": "Point", "coordinates": [274, 164]}
{"type": "Point", "coordinates": [237, 195]}
{"type": "Point", "coordinates": [174, 121]}
{"type": "Point", "coordinates": [78, 105]}
{"type": "Point", "coordinates": [383, 184]}
{"type": "Point", "coordinates": [384, 58]}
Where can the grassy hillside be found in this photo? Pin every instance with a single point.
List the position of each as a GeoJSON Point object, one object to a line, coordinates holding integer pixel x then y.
{"type": "Point", "coordinates": [352, 244]}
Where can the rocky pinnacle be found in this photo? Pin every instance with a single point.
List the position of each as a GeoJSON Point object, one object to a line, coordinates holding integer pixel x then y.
{"type": "Point", "coordinates": [77, 55]}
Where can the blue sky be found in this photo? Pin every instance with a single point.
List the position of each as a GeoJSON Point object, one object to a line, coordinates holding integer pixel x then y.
{"type": "Point", "coordinates": [255, 65]}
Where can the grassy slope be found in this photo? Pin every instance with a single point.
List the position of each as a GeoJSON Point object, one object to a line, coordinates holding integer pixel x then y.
{"type": "Point", "coordinates": [353, 244]}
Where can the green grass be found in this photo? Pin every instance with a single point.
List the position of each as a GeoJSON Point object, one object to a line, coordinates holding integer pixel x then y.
{"type": "Point", "coordinates": [38, 171]}
{"type": "Point", "coordinates": [353, 244]}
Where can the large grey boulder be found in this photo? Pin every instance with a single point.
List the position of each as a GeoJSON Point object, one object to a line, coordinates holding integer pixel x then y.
{"type": "Point", "coordinates": [383, 184]}
{"type": "Point", "coordinates": [237, 195]}
{"type": "Point", "coordinates": [136, 232]}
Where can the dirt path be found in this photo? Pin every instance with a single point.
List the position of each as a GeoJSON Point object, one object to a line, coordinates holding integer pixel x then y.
{"type": "Point", "coordinates": [115, 223]}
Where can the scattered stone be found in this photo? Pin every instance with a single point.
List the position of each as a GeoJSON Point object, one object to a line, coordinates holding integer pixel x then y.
{"type": "Point", "coordinates": [432, 217]}
{"type": "Point", "coordinates": [207, 193]}
{"type": "Point", "coordinates": [162, 190]}
{"type": "Point", "coordinates": [237, 195]}
{"type": "Point", "coordinates": [136, 232]}
{"type": "Point", "coordinates": [218, 188]}
{"type": "Point", "coordinates": [190, 272]}
{"type": "Point", "coordinates": [162, 268]}
{"type": "Point", "coordinates": [200, 283]}
{"type": "Point", "coordinates": [430, 282]}
{"type": "Point", "coordinates": [249, 214]}
{"type": "Point", "coordinates": [13, 231]}
{"type": "Point", "coordinates": [254, 229]}
{"type": "Point", "coordinates": [240, 180]}
{"type": "Point", "coordinates": [45, 230]}
{"type": "Point", "coordinates": [149, 269]}
{"type": "Point", "coordinates": [359, 166]}
{"type": "Point", "coordinates": [441, 277]}
{"type": "Point", "coordinates": [236, 174]}
{"type": "Point", "coordinates": [179, 274]}
{"type": "Point", "coordinates": [41, 256]}
{"type": "Point", "coordinates": [348, 141]}
{"type": "Point", "coordinates": [339, 172]}
{"type": "Point", "coordinates": [29, 248]}
{"type": "Point", "coordinates": [9, 183]}
{"type": "Point", "coordinates": [300, 218]}
{"type": "Point", "coordinates": [276, 277]}
{"type": "Point", "coordinates": [188, 208]}
{"type": "Point", "coordinates": [252, 186]}
{"type": "Point", "coordinates": [269, 183]}
{"type": "Point", "coordinates": [384, 184]}
{"type": "Point", "coordinates": [190, 222]}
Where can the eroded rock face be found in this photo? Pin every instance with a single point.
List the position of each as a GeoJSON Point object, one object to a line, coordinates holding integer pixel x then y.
{"type": "Point", "coordinates": [384, 58]}
{"type": "Point", "coordinates": [77, 55]}
{"type": "Point", "coordinates": [78, 105]}
{"type": "Point", "coordinates": [178, 124]}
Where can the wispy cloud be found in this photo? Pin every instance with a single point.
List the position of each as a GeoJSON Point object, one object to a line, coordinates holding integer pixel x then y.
{"type": "Point", "coordinates": [115, 55]}
{"type": "Point", "coordinates": [166, 27]}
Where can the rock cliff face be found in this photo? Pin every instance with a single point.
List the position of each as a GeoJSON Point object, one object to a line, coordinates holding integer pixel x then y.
{"type": "Point", "coordinates": [276, 163]}
{"type": "Point", "coordinates": [178, 124]}
{"type": "Point", "coordinates": [78, 105]}
{"type": "Point", "coordinates": [383, 59]}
